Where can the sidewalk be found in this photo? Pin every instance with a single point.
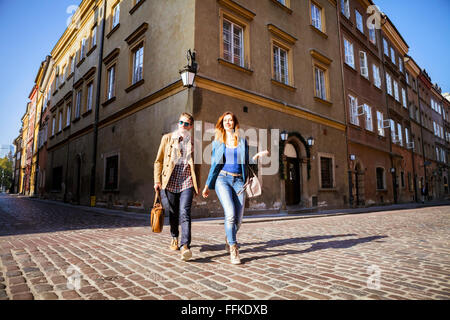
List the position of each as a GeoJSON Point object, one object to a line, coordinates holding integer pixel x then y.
{"type": "Point", "coordinates": [253, 218]}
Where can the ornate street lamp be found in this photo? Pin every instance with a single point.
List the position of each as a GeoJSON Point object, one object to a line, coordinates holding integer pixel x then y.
{"type": "Point", "coordinates": [284, 135]}
{"type": "Point", "coordinates": [190, 70]}
{"type": "Point", "coordinates": [310, 141]}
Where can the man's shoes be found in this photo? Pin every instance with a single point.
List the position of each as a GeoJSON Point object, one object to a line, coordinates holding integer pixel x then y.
{"type": "Point", "coordinates": [186, 253]}
{"type": "Point", "coordinates": [174, 244]}
{"type": "Point", "coordinates": [234, 255]}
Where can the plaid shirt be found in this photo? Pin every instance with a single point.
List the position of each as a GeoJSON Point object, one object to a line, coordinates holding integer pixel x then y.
{"type": "Point", "coordinates": [181, 178]}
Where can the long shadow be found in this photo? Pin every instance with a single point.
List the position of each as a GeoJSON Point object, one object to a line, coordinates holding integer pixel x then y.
{"type": "Point", "coordinates": [271, 244]}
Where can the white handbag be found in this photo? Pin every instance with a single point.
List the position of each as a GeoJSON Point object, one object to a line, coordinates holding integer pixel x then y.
{"type": "Point", "coordinates": [251, 186]}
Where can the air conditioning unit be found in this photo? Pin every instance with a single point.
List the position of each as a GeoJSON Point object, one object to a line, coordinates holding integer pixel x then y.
{"type": "Point", "coordinates": [386, 124]}
{"type": "Point", "coordinates": [410, 145]}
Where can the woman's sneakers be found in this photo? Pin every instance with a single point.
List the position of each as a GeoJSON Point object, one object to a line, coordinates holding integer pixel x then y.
{"type": "Point", "coordinates": [234, 254]}
{"type": "Point", "coordinates": [186, 253]}
{"type": "Point", "coordinates": [174, 244]}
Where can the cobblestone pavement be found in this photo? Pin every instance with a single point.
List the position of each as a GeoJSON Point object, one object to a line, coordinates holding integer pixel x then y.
{"type": "Point", "coordinates": [52, 251]}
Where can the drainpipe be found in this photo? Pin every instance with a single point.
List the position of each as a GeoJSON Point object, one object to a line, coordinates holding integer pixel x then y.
{"type": "Point", "coordinates": [421, 133]}
{"type": "Point", "coordinates": [350, 183]}
{"type": "Point", "coordinates": [97, 107]}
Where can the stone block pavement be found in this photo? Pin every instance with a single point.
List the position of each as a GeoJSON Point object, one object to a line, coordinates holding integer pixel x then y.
{"type": "Point", "coordinates": [389, 255]}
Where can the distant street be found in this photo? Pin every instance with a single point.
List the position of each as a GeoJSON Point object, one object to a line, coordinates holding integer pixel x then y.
{"type": "Point", "coordinates": [50, 250]}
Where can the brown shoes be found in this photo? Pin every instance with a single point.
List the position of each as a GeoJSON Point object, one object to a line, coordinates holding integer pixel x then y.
{"type": "Point", "coordinates": [174, 244]}
{"type": "Point", "coordinates": [227, 246]}
{"type": "Point", "coordinates": [186, 253]}
{"type": "Point", "coordinates": [234, 255]}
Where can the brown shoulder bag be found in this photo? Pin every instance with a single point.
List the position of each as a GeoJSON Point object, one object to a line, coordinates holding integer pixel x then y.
{"type": "Point", "coordinates": [157, 214]}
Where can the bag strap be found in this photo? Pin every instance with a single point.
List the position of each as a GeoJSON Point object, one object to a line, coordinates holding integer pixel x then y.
{"type": "Point", "coordinates": [157, 197]}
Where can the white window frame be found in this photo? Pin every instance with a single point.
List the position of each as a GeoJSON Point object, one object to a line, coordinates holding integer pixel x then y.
{"type": "Point", "coordinates": [83, 48]}
{"type": "Point", "coordinates": [363, 65]}
{"type": "Point", "coordinates": [94, 36]}
{"type": "Point", "coordinates": [68, 114]}
{"type": "Point", "coordinates": [380, 119]}
{"type": "Point", "coordinates": [90, 96]}
{"type": "Point", "coordinates": [78, 104]}
{"type": "Point", "coordinates": [396, 95]}
{"type": "Point", "coordinates": [316, 16]}
{"type": "Point", "coordinates": [404, 98]}
{"type": "Point", "coordinates": [111, 82]}
{"type": "Point", "coordinates": [349, 56]}
{"type": "Point", "coordinates": [400, 134]}
{"type": "Point", "coordinates": [372, 34]}
{"type": "Point", "coordinates": [231, 44]}
{"type": "Point", "coordinates": [280, 64]}
{"type": "Point", "coordinates": [353, 108]}
{"type": "Point", "coordinates": [60, 121]}
{"type": "Point", "coordinates": [138, 64]}
{"type": "Point", "coordinates": [393, 55]}
{"type": "Point", "coordinates": [376, 75]}
{"type": "Point", "coordinates": [321, 88]}
{"type": "Point", "coordinates": [400, 63]}
{"type": "Point", "coordinates": [116, 15]}
{"type": "Point", "coordinates": [345, 8]}
{"type": "Point", "coordinates": [389, 83]}
{"type": "Point", "coordinates": [369, 120]}
{"type": "Point", "coordinates": [392, 129]}
{"type": "Point", "coordinates": [385, 47]}
{"type": "Point", "coordinates": [359, 21]}
{"type": "Point", "coordinates": [53, 125]}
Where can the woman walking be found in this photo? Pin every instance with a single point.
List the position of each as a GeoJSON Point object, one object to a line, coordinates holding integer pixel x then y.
{"type": "Point", "coordinates": [230, 155]}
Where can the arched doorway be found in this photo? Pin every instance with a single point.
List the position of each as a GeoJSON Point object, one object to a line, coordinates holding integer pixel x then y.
{"type": "Point", "coordinates": [293, 175]}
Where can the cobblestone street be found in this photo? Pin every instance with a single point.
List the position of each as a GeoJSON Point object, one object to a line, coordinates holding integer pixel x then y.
{"type": "Point", "coordinates": [56, 251]}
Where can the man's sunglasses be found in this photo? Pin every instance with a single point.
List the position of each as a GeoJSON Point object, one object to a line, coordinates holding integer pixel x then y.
{"type": "Point", "coordinates": [185, 124]}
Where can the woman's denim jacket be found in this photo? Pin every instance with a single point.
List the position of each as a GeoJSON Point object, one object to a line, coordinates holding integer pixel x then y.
{"type": "Point", "coordinates": [217, 160]}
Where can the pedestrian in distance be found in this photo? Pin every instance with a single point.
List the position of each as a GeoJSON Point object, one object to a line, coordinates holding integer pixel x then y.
{"type": "Point", "coordinates": [175, 178]}
{"type": "Point", "coordinates": [227, 175]}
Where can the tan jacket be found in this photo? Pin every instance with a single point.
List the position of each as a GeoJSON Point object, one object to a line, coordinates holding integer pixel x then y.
{"type": "Point", "coordinates": [168, 153]}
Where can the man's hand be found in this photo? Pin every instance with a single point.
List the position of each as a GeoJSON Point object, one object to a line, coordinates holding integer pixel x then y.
{"type": "Point", "coordinates": [157, 187]}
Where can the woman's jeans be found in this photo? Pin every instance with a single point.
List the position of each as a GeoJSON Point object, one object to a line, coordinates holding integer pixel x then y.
{"type": "Point", "coordinates": [179, 207]}
{"type": "Point", "coordinates": [233, 205]}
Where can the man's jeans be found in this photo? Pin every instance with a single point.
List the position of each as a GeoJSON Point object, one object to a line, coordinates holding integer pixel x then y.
{"type": "Point", "coordinates": [179, 207]}
{"type": "Point", "coordinates": [233, 205]}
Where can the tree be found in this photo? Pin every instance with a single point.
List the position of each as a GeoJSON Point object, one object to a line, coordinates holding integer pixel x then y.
{"type": "Point", "coordinates": [6, 172]}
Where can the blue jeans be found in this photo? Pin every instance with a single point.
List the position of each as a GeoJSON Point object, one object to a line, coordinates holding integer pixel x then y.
{"type": "Point", "coordinates": [233, 205]}
{"type": "Point", "coordinates": [179, 207]}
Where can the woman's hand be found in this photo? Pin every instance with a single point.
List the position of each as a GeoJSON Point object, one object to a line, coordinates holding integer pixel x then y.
{"type": "Point", "coordinates": [260, 154]}
{"type": "Point", "coordinates": [205, 192]}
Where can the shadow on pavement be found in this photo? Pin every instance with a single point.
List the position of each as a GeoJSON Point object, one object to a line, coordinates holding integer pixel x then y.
{"type": "Point", "coordinates": [270, 247]}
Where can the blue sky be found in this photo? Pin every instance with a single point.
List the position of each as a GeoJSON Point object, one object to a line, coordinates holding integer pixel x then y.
{"type": "Point", "coordinates": [31, 28]}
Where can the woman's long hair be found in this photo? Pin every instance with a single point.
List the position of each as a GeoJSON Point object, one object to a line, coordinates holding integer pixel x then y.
{"type": "Point", "coordinates": [221, 134]}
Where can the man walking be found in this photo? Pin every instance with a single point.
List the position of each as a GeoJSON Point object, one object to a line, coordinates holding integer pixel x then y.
{"type": "Point", "coordinates": [175, 177]}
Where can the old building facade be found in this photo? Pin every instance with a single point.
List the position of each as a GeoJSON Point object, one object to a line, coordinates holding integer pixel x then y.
{"type": "Point", "coordinates": [111, 88]}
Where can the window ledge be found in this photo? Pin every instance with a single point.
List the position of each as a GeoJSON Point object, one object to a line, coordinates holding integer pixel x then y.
{"type": "Point", "coordinates": [354, 126]}
{"type": "Point", "coordinates": [320, 32]}
{"type": "Point", "coordinates": [91, 50]}
{"type": "Point", "coordinates": [283, 85]}
{"type": "Point", "coordinates": [55, 92]}
{"type": "Point", "coordinates": [136, 6]}
{"type": "Point", "coordinates": [80, 62]}
{"type": "Point", "coordinates": [86, 113]}
{"type": "Point", "coordinates": [62, 84]}
{"type": "Point", "coordinates": [349, 67]}
{"type": "Point", "coordinates": [379, 89]}
{"type": "Point", "coordinates": [52, 137]}
{"type": "Point", "coordinates": [134, 86]}
{"type": "Point", "coordinates": [76, 120]}
{"type": "Point", "coordinates": [381, 190]}
{"type": "Point", "coordinates": [327, 190]}
{"type": "Point", "coordinates": [365, 78]}
{"type": "Point", "coordinates": [347, 19]}
{"type": "Point", "coordinates": [59, 132]}
{"type": "Point", "coordinates": [328, 103]}
{"type": "Point", "coordinates": [234, 66]}
{"type": "Point", "coordinates": [69, 76]}
{"type": "Point", "coordinates": [112, 31]}
{"type": "Point", "coordinates": [111, 100]}
{"type": "Point", "coordinates": [66, 127]}
{"type": "Point", "coordinates": [282, 6]}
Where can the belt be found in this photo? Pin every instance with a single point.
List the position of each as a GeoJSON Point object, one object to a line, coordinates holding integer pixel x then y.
{"type": "Point", "coordinates": [230, 173]}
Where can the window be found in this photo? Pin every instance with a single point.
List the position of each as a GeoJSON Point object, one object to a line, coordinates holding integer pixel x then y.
{"type": "Point", "coordinates": [363, 64]}
{"type": "Point", "coordinates": [90, 92]}
{"type": "Point", "coordinates": [400, 137]}
{"type": "Point", "coordinates": [349, 58]}
{"type": "Point", "coordinates": [369, 122]}
{"type": "Point", "coordinates": [112, 172]}
{"type": "Point", "coordinates": [280, 65]}
{"type": "Point", "coordinates": [316, 16]}
{"type": "Point", "coordinates": [380, 123]}
{"type": "Point", "coordinates": [404, 98]}
{"type": "Point", "coordinates": [392, 130]}
{"type": "Point", "coordinates": [359, 21]}
{"type": "Point", "coordinates": [115, 15]}
{"type": "Point", "coordinates": [372, 35]}
{"type": "Point", "coordinates": [83, 48]}
{"type": "Point", "coordinates": [138, 64]}
{"type": "Point", "coordinates": [72, 64]}
{"type": "Point", "coordinates": [94, 36]}
{"type": "Point", "coordinates": [396, 91]}
{"type": "Point", "coordinates": [400, 64]}
{"type": "Point", "coordinates": [376, 76]}
{"type": "Point", "coordinates": [53, 125]}
{"type": "Point", "coordinates": [353, 106]}
{"type": "Point", "coordinates": [345, 8]}
{"type": "Point", "coordinates": [78, 105]}
{"type": "Point", "coordinates": [392, 55]}
{"type": "Point", "coordinates": [385, 47]}
{"type": "Point", "coordinates": [319, 78]}
{"type": "Point", "coordinates": [380, 178]}
{"type": "Point", "coordinates": [326, 172]}
{"type": "Point", "coordinates": [111, 80]}
{"type": "Point", "coordinates": [407, 136]}
{"type": "Point", "coordinates": [233, 43]}
{"type": "Point", "coordinates": [407, 78]}
{"type": "Point", "coordinates": [389, 84]}
{"type": "Point", "coordinates": [68, 114]}
{"type": "Point", "coordinates": [60, 120]}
